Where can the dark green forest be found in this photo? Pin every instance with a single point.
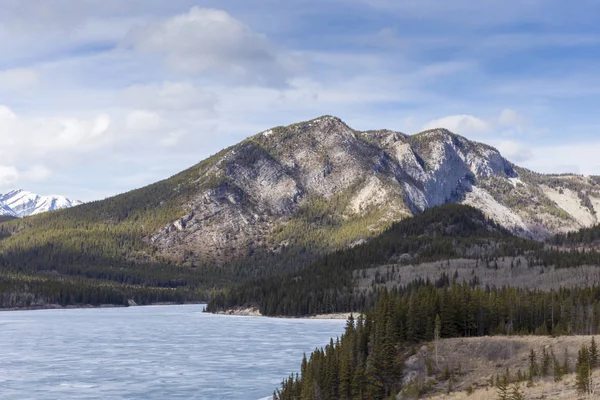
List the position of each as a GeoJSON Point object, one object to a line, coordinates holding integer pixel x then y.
{"type": "Point", "coordinates": [441, 233]}
{"type": "Point", "coordinates": [367, 361]}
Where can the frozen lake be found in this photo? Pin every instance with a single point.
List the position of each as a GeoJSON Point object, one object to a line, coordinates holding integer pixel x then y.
{"type": "Point", "coordinates": [158, 352]}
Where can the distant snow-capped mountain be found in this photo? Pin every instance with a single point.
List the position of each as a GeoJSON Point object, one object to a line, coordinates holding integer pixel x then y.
{"type": "Point", "coordinates": [21, 203]}
{"type": "Point", "coordinates": [5, 211]}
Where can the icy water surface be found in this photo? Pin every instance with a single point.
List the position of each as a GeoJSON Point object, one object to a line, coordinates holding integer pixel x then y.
{"type": "Point", "coordinates": [162, 352]}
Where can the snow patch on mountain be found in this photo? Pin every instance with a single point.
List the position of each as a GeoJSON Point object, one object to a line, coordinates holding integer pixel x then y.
{"type": "Point", "coordinates": [6, 211]}
{"type": "Point", "coordinates": [516, 181]}
{"type": "Point", "coordinates": [21, 203]}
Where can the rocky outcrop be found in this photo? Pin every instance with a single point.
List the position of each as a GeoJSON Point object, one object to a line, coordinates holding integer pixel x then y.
{"type": "Point", "coordinates": [363, 180]}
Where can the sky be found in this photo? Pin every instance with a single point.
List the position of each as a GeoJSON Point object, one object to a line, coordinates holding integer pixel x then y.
{"type": "Point", "coordinates": [98, 97]}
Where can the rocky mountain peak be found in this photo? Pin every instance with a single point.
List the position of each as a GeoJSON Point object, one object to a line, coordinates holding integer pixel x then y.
{"type": "Point", "coordinates": [320, 180]}
{"type": "Point", "coordinates": [22, 203]}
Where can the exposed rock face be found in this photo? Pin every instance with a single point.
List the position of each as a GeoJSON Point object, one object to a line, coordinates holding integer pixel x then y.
{"type": "Point", "coordinates": [365, 180]}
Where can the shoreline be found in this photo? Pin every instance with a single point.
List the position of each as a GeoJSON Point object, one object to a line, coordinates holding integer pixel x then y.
{"type": "Point", "coordinates": [254, 312]}
{"type": "Point", "coordinates": [90, 306]}
{"type": "Point", "coordinates": [238, 312]}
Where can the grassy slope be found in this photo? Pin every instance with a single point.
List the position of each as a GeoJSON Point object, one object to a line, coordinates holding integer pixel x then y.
{"type": "Point", "coordinates": [481, 358]}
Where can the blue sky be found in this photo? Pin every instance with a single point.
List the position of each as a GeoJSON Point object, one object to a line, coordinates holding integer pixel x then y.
{"type": "Point", "coordinates": [100, 97]}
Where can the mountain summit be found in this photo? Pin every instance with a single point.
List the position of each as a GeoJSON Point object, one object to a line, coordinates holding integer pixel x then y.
{"type": "Point", "coordinates": [323, 182]}
{"type": "Point", "coordinates": [21, 203]}
{"type": "Point", "coordinates": [291, 193]}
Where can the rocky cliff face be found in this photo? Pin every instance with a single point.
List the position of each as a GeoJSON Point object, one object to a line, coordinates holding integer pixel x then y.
{"type": "Point", "coordinates": [324, 183]}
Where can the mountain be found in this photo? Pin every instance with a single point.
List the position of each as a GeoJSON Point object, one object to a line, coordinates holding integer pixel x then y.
{"type": "Point", "coordinates": [21, 203]}
{"type": "Point", "coordinates": [6, 211]}
{"type": "Point", "coordinates": [279, 200]}
{"type": "Point", "coordinates": [322, 184]}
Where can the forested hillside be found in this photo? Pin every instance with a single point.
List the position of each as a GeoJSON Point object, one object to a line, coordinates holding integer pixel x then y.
{"type": "Point", "coordinates": [284, 218]}
{"type": "Point", "coordinates": [438, 234]}
{"type": "Point", "coordinates": [100, 252]}
{"type": "Point", "coordinates": [368, 361]}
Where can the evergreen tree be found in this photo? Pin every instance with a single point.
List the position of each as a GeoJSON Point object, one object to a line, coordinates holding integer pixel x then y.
{"type": "Point", "coordinates": [516, 393]}
{"type": "Point", "coordinates": [546, 363]}
{"type": "Point", "coordinates": [593, 353]}
{"type": "Point", "coordinates": [359, 384]}
{"type": "Point", "coordinates": [565, 367]}
{"type": "Point", "coordinates": [436, 337]}
{"type": "Point", "coordinates": [502, 388]}
{"type": "Point", "coordinates": [533, 366]}
{"type": "Point", "coordinates": [557, 370]}
{"type": "Point", "coordinates": [583, 371]}
{"type": "Point", "coordinates": [520, 376]}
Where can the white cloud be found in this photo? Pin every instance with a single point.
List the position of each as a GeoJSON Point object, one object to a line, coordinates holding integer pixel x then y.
{"type": "Point", "coordinates": [462, 124]}
{"type": "Point", "coordinates": [510, 117]}
{"type": "Point", "coordinates": [579, 157]}
{"type": "Point", "coordinates": [172, 139]}
{"type": "Point", "coordinates": [100, 125]}
{"type": "Point", "coordinates": [171, 96]}
{"type": "Point", "coordinates": [143, 121]}
{"type": "Point", "coordinates": [212, 41]}
{"type": "Point", "coordinates": [6, 114]}
{"type": "Point", "coordinates": [35, 139]}
{"type": "Point", "coordinates": [8, 176]}
{"type": "Point", "coordinates": [37, 173]}
{"type": "Point", "coordinates": [514, 151]}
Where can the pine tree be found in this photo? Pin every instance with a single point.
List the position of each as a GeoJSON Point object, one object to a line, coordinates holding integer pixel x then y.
{"type": "Point", "coordinates": [593, 353]}
{"type": "Point", "coordinates": [358, 384]}
{"type": "Point", "coordinates": [502, 388]}
{"type": "Point", "coordinates": [546, 362]}
{"type": "Point", "coordinates": [437, 335]}
{"type": "Point", "coordinates": [533, 366]}
{"type": "Point", "coordinates": [583, 371]}
{"type": "Point", "coordinates": [520, 376]}
{"type": "Point", "coordinates": [516, 392]}
{"type": "Point", "coordinates": [565, 367]}
{"type": "Point", "coordinates": [347, 360]}
{"type": "Point", "coordinates": [557, 371]}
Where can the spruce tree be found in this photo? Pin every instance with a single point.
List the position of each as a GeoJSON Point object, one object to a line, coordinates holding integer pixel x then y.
{"type": "Point", "coordinates": [583, 371]}
{"type": "Point", "coordinates": [557, 370]}
{"type": "Point", "coordinates": [502, 388]}
{"type": "Point", "coordinates": [436, 337]}
{"type": "Point", "coordinates": [565, 367]}
{"type": "Point", "coordinates": [533, 366]}
{"type": "Point", "coordinates": [358, 384]}
{"type": "Point", "coordinates": [593, 353]}
{"type": "Point", "coordinates": [520, 377]}
{"type": "Point", "coordinates": [546, 362]}
{"type": "Point", "coordinates": [516, 392]}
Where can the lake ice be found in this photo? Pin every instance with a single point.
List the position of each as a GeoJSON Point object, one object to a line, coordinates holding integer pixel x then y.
{"type": "Point", "coordinates": [156, 352]}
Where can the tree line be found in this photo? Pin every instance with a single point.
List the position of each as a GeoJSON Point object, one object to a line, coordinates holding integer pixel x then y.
{"type": "Point", "coordinates": [367, 361]}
